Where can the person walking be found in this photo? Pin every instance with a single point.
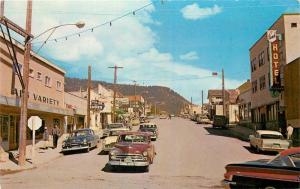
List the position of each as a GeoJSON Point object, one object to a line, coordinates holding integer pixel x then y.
{"type": "Point", "coordinates": [46, 138]}
{"type": "Point", "coordinates": [55, 134]}
{"type": "Point", "coordinates": [289, 131]}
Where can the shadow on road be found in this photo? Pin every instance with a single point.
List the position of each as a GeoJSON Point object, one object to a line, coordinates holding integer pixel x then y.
{"type": "Point", "coordinates": [252, 150]}
{"type": "Point", "coordinates": [219, 132]}
{"type": "Point", "coordinates": [102, 153]}
{"type": "Point", "coordinates": [109, 169]}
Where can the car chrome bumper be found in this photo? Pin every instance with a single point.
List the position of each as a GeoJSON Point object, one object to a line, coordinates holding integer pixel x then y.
{"type": "Point", "coordinates": [106, 149]}
{"type": "Point", "coordinates": [128, 164]}
{"type": "Point", "coordinates": [74, 148]}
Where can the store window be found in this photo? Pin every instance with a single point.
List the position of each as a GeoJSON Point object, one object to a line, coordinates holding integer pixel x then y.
{"type": "Point", "coordinates": [20, 68]}
{"type": "Point", "coordinates": [4, 126]}
{"type": "Point", "coordinates": [31, 73]}
{"type": "Point", "coordinates": [39, 76]}
{"type": "Point", "coordinates": [58, 86]}
{"type": "Point", "coordinates": [262, 82]}
{"type": "Point", "coordinates": [254, 86]}
{"type": "Point", "coordinates": [47, 81]}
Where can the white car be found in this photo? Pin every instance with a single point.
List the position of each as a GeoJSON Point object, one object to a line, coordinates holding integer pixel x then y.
{"type": "Point", "coordinates": [109, 142]}
{"type": "Point", "coordinates": [265, 140]}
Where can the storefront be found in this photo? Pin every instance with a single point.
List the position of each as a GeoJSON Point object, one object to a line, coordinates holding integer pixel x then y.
{"type": "Point", "coordinates": [45, 99]}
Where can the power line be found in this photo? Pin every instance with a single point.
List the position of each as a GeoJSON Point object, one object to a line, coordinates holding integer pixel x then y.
{"type": "Point", "coordinates": [92, 29]}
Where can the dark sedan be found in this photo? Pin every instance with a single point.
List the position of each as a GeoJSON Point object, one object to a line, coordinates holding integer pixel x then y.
{"type": "Point", "coordinates": [149, 127]}
{"type": "Point", "coordinates": [283, 171]}
{"type": "Point", "coordinates": [82, 139]}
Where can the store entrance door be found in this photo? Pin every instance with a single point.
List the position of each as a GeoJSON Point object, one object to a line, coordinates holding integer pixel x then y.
{"type": "Point", "coordinates": [4, 131]}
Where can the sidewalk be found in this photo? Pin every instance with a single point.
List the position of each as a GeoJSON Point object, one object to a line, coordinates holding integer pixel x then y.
{"type": "Point", "coordinates": [42, 156]}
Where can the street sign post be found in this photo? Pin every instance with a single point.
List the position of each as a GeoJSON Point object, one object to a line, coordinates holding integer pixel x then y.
{"type": "Point", "coordinates": [34, 123]}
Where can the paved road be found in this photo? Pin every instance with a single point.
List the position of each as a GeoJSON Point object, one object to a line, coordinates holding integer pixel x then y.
{"type": "Point", "coordinates": [188, 156]}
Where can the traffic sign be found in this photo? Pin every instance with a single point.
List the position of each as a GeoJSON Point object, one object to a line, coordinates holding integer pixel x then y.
{"type": "Point", "coordinates": [34, 122]}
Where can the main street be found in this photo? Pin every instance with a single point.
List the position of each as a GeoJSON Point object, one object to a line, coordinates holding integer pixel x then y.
{"type": "Point", "coordinates": [188, 156]}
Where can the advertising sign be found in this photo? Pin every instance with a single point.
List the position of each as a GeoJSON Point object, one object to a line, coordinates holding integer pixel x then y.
{"type": "Point", "coordinates": [276, 84]}
{"type": "Point", "coordinates": [271, 35]}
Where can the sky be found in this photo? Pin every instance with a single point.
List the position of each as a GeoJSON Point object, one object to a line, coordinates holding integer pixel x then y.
{"type": "Point", "coordinates": [170, 43]}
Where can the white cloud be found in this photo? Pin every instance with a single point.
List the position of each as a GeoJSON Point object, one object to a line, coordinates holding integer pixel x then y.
{"type": "Point", "coordinates": [189, 56]}
{"type": "Point", "coordinates": [129, 42]}
{"type": "Point", "coordinates": [194, 12]}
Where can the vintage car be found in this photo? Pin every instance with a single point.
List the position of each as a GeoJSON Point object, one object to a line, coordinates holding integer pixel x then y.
{"type": "Point", "coordinates": [133, 149]}
{"type": "Point", "coordinates": [280, 172]}
{"type": "Point", "coordinates": [81, 139]}
{"type": "Point", "coordinates": [265, 140]}
{"type": "Point", "coordinates": [110, 127]}
{"type": "Point", "coordinates": [203, 120]}
{"type": "Point", "coordinates": [149, 127]}
{"type": "Point", "coordinates": [109, 142]}
{"type": "Point", "coordinates": [163, 116]}
{"type": "Point", "coordinates": [219, 121]}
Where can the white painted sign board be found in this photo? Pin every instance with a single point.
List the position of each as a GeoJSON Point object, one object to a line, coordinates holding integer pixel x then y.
{"type": "Point", "coordinates": [34, 123]}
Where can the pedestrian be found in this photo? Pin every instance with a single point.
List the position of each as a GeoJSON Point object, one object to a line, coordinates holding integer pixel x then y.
{"type": "Point", "coordinates": [289, 131]}
{"type": "Point", "coordinates": [46, 138]}
{"type": "Point", "coordinates": [55, 134]}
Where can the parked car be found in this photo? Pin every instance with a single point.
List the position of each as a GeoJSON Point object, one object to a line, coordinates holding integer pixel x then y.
{"type": "Point", "coordinates": [219, 121]}
{"type": "Point", "coordinates": [111, 126]}
{"type": "Point", "coordinates": [163, 116]}
{"type": "Point", "coordinates": [280, 172]}
{"type": "Point", "coordinates": [109, 142]}
{"type": "Point", "coordinates": [150, 127]}
{"type": "Point", "coordinates": [81, 139]}
{"type": "Point", "coordinates": [265, 140]}
{"type": "Point", "coordinates": [203, 120]}
{"type": "Point", "coordinates": [133, 149]}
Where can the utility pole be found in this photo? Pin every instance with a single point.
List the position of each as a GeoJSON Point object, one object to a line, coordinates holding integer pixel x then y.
{"type": "Point", "coordinates": [192, 105]}
{"type": "Point", "coordinates": [1, 8]}
{"type": "Point", "coordinates": [89, 97]}
{"type": "Point", "coordinates": [115, 91]}
{"type": "Point", "coordinates": [223, 92]}
{"type": "Point", "coordinates": [24, 104]}
{"type": "Point", "coordinates": [135, 105]}
{"type": "Point", "coordinates": [202, 102]}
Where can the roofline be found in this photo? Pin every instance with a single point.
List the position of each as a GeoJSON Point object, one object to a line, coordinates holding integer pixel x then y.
{"type": "Point", "coordinates": [282, 15]}
{"type": "Point", "coordinates": [20, 46]}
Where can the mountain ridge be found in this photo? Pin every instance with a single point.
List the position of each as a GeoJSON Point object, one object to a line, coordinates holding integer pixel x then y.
{"type": "Point", "coordinates": [165, 98]}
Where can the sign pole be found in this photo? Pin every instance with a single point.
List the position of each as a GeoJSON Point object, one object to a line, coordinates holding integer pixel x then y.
{"type": "Point", "coordinates": [33, 141]}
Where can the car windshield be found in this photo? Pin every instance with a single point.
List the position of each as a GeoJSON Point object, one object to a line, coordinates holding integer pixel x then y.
{"type": "Point", "coordinates": [133, 138]}
{"type": "Point", "coordinates": [80, 133]}
{"type": "Point", "coordinates": [271, 136]}
{"type": "Point", "coordinates": [116, 125]}
{"type": "Point", "coordinates": [114, 133]}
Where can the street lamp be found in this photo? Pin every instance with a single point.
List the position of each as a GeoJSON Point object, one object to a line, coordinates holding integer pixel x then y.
{"type": "Point", "coordinates": [79, 24]}
{"type": "Point", "coordinates": [24, 105]}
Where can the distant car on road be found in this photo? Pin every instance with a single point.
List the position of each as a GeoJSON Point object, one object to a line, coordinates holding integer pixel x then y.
{"type": "Point", "coordinates": [110, 127]}
{"type": "Point", "coordinates": [203, 120]}
{"type": "Point", "coordinates": [81, 139]}
{"type": "Point", "coordinates": [133, 149]}
{"type": "Point", "coordinates": [149, 127]}
{"type": "Point", "coordinates": [219, 121]}
{"type": "Point", "coordinates": [280, 172]}
{"type": "Point", "coordinates": [109, 142]}
{"type": "Point", "coordinates": [163, 116]}
{"type": "Point", "coordinates": [265, 140]}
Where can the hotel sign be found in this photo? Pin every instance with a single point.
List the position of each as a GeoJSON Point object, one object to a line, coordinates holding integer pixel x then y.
{"type": "Point", "coordinates": [275, 84]}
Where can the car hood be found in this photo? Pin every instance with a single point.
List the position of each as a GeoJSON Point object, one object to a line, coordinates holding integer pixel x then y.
{"type": "Point", "coordinates": [131, 148]}
{"type": "Point", "coordinates": [110, 139]}
{"type": "Point", "coordinates": [260, 162]}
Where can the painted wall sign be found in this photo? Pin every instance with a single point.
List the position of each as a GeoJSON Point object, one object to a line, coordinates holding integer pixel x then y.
{"type": "Point", "coordinates": [39, 98]}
